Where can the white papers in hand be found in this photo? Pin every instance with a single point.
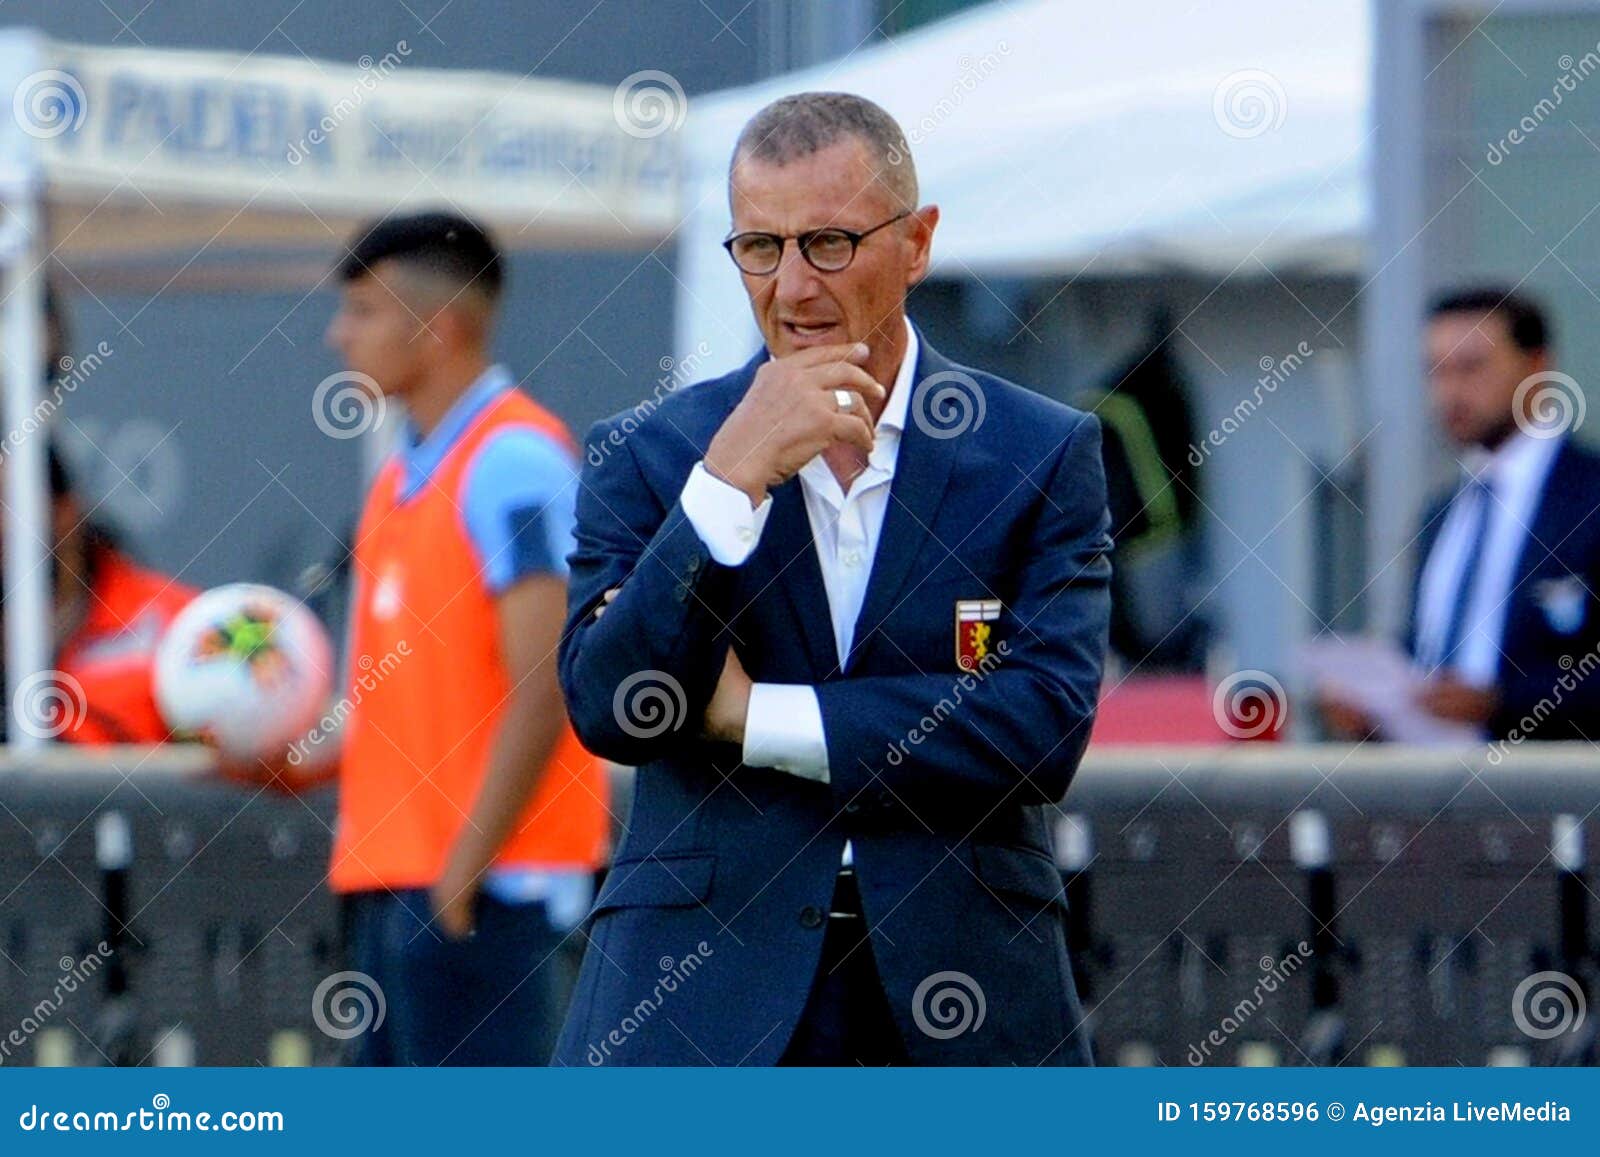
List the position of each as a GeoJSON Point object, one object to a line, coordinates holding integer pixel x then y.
{"type": "Point", "coordinates": [1380, 679]}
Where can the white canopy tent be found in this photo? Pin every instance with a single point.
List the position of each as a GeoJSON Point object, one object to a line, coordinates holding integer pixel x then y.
{"type": "Point", "coordinates": [153, 158]}
{"type": "Point", "coordinates": [1061, 138]}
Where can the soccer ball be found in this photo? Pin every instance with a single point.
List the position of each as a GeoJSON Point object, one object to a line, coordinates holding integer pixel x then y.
{"type": "Point", "coordinates": [246, 668]}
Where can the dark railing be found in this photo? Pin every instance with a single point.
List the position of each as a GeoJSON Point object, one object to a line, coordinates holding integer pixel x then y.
{"type": "Point", "coordinates": [1252, 904]}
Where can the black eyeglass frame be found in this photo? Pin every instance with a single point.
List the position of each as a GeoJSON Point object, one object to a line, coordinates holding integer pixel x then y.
{"type": "Point", "coordinates": [805, 240]}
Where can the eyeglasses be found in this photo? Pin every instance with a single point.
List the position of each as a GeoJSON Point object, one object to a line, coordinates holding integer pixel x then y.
{"type": "Point", "coordinates": [825, 250]}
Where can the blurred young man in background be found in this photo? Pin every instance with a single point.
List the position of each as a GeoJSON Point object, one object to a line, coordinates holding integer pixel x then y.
{"type": "Point", "coordinates": [470, 820]}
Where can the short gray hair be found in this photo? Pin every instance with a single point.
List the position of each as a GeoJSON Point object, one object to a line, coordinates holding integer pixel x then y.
{"type": "Point", "coordinates": [797, 126]}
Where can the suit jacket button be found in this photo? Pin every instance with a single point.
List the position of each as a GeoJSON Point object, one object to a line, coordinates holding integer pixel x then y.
{"type": "Point", "coordinates": [852, 808]}
{"type": "Point", "coordinates": [811, 917]}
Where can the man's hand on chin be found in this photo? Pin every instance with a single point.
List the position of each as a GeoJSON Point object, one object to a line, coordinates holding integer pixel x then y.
{"type": "Point", "coordinates": [730, 703]}
{"type": "Point", "coordinates": [1449, 698]}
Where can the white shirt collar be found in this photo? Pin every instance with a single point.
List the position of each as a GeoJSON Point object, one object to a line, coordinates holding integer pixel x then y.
{"type": "Point", "coordinates": [1518, 460]}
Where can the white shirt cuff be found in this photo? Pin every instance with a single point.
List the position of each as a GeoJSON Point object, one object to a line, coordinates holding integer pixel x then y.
{"type": "Point", "coordinates": [720, 514]}
{"type": "Point", "coordinates": [783, 729]}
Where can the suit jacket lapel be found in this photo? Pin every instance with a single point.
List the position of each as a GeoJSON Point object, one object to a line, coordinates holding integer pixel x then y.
{"type": "Point", "coordinates": [1551, 519]}
{"type": "Point", "coordinates": [921, 473]}
{"type": "Point", "coordinates": [799, 575]}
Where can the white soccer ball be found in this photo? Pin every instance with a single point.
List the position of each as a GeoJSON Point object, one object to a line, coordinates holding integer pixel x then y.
{"type": "Point", "coordinates": [245, 667]}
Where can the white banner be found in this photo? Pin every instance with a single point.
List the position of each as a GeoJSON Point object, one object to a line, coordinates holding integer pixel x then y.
{"type": "Point", "coordinates": [262, 147]}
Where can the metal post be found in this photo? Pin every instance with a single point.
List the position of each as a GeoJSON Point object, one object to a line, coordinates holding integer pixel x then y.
{"type": "Point", "coordinates": [1392, 314]}
{"type": "Point", "coordinates": [27, 548]}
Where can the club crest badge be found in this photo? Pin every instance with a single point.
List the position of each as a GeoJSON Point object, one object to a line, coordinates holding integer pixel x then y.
{"type": "Point", "coordinates": [975, 631]}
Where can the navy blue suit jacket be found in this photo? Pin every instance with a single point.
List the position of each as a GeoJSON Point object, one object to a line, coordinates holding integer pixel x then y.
{"type": "Point", "coordinates": [706, 935]}
{"type": "Point", "coordinates": [1552, 626]}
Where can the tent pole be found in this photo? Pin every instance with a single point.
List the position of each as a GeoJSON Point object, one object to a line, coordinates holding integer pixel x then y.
{"type": "Point", "coordinates": [27, 570]}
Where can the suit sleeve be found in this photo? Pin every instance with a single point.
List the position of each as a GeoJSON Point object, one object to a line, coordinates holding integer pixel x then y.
{"type": "Point", "coordinates": [1559, 701]}
{"type": "Point", "coordinates": [637, 679]}
{"type": "Point", "coordinates": [1017, 734]}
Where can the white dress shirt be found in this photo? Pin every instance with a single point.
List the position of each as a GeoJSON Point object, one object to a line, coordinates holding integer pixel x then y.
{"type": "Point", "coordinates": [783, 728]}
{"type": "Point", "coordinates": [1516, 473]}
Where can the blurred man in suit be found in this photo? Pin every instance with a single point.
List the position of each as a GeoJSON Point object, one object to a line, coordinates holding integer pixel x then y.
{"type": "Point", "coordinates": [841, 856]}
{"type": "Point", "coordinates": [1504, 614]}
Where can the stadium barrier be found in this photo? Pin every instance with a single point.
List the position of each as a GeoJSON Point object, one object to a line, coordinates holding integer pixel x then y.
{"type": "Point", "coordinates": [1254, 904]}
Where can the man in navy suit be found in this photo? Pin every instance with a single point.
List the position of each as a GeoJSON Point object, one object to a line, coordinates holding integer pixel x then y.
{"type": "Point", "coordinates": [1504, 616]}
{"type": "Point", "coordinates": [846, 610]}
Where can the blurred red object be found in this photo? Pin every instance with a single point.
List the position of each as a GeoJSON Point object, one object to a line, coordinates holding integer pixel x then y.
{"type": "Point", "coordinates": [1182, 709]}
